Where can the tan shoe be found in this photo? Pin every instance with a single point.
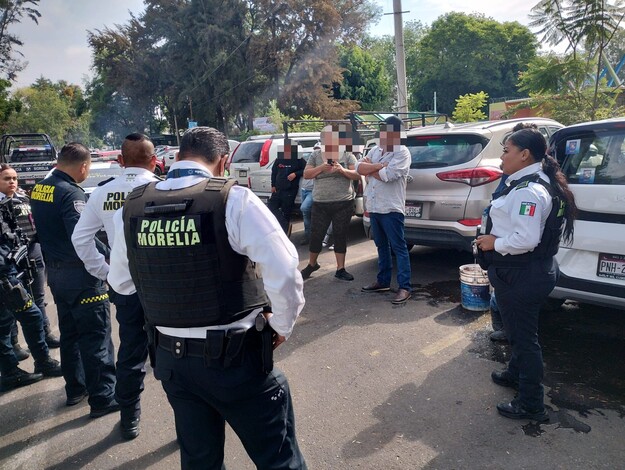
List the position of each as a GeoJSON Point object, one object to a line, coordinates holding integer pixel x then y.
{"type": "Point", "coordinates": [401, 297]}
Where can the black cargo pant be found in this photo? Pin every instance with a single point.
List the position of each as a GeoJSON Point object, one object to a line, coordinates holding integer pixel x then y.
{"type": "Point", "coordinates": [87, 354]}
{"type": "Point", "coordinates": [521, 291]}
{"type": "Point", "coordinates": [204, 395]}
{"type": "Point", "coordinates": [131, 355]}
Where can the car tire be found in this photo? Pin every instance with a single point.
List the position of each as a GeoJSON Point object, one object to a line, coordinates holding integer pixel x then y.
{"type": "Point", "coordinates": [158, 172]}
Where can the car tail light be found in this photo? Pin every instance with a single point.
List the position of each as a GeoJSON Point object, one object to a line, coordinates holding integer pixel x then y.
{"type": "Point", "coordinates": [249, 182]}
{"type": "Point", "coordinates": [264, 153]}
{"type": "Point", "coordinates": [472, 176]}
{"type": "Point", "coordinates": [470, 222]}
{"type": "Point", "coordinates": [227, 167]}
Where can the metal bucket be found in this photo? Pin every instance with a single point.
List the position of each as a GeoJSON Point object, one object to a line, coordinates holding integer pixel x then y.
{"type": "Point", "coordinates": [474, 288]}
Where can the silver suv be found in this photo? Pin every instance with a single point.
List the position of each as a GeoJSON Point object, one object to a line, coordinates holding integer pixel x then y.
{"type": "Point", "coordinates": [454, 171]}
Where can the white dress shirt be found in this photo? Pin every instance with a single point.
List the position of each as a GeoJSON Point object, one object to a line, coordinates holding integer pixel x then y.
{"type": "Point", "coordinates": [98, 214]}
{"type": "Point", "coordinates": [519, 217]}
{"type": "Point", "coordinates": [254, 232]}
{"type": "Point", "coordinates": [389, 194]}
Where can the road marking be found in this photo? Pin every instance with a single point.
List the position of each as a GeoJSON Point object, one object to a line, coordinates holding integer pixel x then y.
{"type": "Point", "coordinates": [442, 343]}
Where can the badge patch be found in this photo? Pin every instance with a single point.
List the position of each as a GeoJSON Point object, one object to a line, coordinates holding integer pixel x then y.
{"type": "Point", "coordinates": [527, 208]}
{"type": "Point", "coordinates": [79, 206]}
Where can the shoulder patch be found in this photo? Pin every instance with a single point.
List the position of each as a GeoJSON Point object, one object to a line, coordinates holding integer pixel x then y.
{"type": "Point", "coordinates": [523, 184]}
{"type": "Point", "coordinates": [79, 206]}
{"type": "Point", "coordinates": [527, 208]}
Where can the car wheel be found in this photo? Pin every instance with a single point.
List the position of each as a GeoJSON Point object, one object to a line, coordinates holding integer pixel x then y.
{"type": "Point", "coordinates": [410, 246]}
{"type": "Point", "coordinates": [157, 171]}
{"type": "Point", "coordinates": [551, 305]}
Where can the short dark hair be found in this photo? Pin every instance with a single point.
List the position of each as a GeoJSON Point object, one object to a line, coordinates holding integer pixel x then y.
{"type": "Point", "coordinates": [4, 167]}
{"type": "Point", "coordinates": [397, 123]}
{"type": "Point", "coordinates": [206, 142]}
{"type": "Point", "coordinates": [524, 125]}
{"type": "Point", "coordinates": [73, 154]}
{"type": "Point", "coordinates": [135, 150]}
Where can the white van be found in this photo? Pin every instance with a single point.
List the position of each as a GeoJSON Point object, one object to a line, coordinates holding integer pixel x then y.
{"type": "Point", "coordinates": [592, 269]}
{"type": "Point", "coordinates": [252, 155]}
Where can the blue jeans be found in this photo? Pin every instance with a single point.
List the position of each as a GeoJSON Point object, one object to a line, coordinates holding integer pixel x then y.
{"type": "Point", "coordinates": [306, 209]}
{"type": "Point", "coordinates": [388, 233]}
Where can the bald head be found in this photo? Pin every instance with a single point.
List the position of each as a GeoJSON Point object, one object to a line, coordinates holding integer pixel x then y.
{"type": "Point", "coordinates": [138, 151]}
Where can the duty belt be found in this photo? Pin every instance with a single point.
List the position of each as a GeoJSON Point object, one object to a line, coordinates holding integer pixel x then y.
{"type": "Point", "coordinates": [220, 348]}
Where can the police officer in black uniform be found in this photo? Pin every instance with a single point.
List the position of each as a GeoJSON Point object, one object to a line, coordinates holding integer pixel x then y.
{"type": "Point", "coordinates": [522, 235]}
{"type": "Point", "coordinates": [17, 303]}
{"type": "Point", "coordinates": [87, 355]}
{"type": "Point", "coordinates": [190, 244]}
{"type": "Point", "coordinates": [285, 176]}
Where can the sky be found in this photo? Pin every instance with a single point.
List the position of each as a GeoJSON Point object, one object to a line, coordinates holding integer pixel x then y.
{"type": "Point", "coordinates": [57, 48]}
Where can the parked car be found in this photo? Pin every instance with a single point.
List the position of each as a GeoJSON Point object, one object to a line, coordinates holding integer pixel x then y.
{"type": "Point", "coordinates": [454, 171]}
{"type": "Point", "coordinates": [592, 269]}
{"type": "Point", "coordinates": [259, 182]}
{"type": "Point", "coordinates": [253, 155]}
{"type": "Point", "coordinates": [168, 156]}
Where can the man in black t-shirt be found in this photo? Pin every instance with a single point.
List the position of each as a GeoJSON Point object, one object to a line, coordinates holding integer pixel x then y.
{"type": "Point", "coordinates": [285, 176]}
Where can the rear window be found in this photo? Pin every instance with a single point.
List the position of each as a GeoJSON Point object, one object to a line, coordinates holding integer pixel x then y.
{"type": "Point", "coordinates": [437, 151]}
{"type": "Point", "coordinates": [593, 157]}
{"type": "Point", "coordinates": [248, 152]}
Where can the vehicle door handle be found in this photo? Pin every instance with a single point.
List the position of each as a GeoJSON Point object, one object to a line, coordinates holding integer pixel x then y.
{"type": "Point", "coordinates": [409, 179]}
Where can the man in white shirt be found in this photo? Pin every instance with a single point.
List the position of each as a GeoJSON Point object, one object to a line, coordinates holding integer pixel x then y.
{"type": "Point", "coordinates": [139, 161]}
{"type": "Point", "coordinates": [190, 245]}
{"type": "Point", "coordinates": [386, 168]}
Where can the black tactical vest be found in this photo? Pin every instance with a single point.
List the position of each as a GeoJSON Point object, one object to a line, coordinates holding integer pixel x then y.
{"type": "Point", "coordinates": [24, 215]}
{"type": "Point", "coordinates": [186, 273]}
{"type": "Point", "coordinates": [550, 239]}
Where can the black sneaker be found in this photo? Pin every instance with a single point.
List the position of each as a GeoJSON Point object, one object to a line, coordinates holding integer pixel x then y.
{"type": "Point", "coordinates": [308, 270]}
{"type": "Point", "coordinates": [75, 399]}
{"type": "Point", "coordinates": [18, 378]}
{"type": "Point", "coordinates": [343, 275]}
{"type": "Point", "coordinates": [48, 367]}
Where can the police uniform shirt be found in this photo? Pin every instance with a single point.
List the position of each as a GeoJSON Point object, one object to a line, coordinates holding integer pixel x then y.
{"type": "Point", "coordinates": [55, 199]}
{"type": "Point", "coordinates": [388, 195]}
{"type": "Point", "coordinates": [253, 232]}
{"type": "Point", "coordinates": [98, 214]}
{"type": "Point", "coordinates": [519, 217]}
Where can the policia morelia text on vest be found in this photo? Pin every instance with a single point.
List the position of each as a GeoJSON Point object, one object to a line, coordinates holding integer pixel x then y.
{"type": "Point", "coordinates": [549, 241]}
{"type": "Point", "coordinates": [185, 271]}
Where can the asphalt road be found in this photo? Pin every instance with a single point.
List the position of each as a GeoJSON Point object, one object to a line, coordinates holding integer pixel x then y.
{"type": "Point", "coordinates": [376, 386]}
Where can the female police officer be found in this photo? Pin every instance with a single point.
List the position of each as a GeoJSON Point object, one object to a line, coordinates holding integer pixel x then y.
{"type": "Point", "coordinates": [522, 234]}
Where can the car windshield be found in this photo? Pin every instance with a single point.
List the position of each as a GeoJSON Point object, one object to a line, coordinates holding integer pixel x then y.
{"type": "Point", "coordinates": [435, 151]}
{"type": "Point", "coordinates": [593, 157]}
{"type": "Point", "coordinates": [248, 152]}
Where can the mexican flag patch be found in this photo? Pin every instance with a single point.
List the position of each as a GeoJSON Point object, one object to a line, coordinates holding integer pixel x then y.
{"type": "Point", "coordinates": [527, 208]}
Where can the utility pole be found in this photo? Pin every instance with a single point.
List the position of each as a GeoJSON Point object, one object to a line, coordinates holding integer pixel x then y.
{"type": "Point", "coordinates": [400, 57]}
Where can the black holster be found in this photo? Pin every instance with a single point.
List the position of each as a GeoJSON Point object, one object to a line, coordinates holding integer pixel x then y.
{"type": "Point", "coordinates": [152, 343]}
{"type": "Point", "coordinates": [14, 297]}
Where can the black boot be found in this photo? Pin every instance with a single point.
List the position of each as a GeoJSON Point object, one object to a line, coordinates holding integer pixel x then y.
{"type": "Point", "coordinates": [48, 367]}
{"type": "Point", "coordinates": [18, 378]}
{"type": "Point", "coordinates": [20, 352]}
{"type": "Point", "coordinates": [52, 341]}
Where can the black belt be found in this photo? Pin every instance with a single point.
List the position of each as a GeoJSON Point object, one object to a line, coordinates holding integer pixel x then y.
{"type": "Point", "coordinates": [219, 345]}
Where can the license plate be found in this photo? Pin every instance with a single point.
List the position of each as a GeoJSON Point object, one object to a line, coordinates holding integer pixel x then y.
{"type": "Point", "coordinates": [611, 266]}
{"type": "Point", "coordinates": [414, 210]}
{"type": "Point", "coordinates": [29, 182]}
{"type": "Point", "coordinates": [242, 173]}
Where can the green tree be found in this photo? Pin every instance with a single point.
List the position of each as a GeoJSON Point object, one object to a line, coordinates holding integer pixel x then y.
{"type": "Point", "coordinates": [467, 53]}
{"type": "Point", "coordinates": [591, 24]}
{"type": "Point", "coordinates": [469, 107]}
{"type": "Point", "coordinates": [364, 80]}
{"type": "Point", "coordinates": [8, 105]}
{"type": "Point", "coordinates": [12, 12]}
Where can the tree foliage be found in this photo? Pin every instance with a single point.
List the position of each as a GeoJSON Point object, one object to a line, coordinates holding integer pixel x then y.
{"type": "Point", "coordinates": [57, 109]}
{"type": "Point", "coordinates": [469, 107]}
{"type": "Point", "coordinates": [365, 80]}
{"type": "Point", "coordinates": [220, 61]}
{"type": "Point", "coordinates": [466, 54]}
{"type": "Point", "coordinates": [9, 105]}
{"type": "Point", "coordinates": [12, 12]}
